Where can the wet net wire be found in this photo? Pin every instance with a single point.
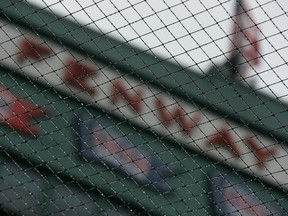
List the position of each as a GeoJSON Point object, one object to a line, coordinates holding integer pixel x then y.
{"type": "Point", "coordinates": [143, 107]}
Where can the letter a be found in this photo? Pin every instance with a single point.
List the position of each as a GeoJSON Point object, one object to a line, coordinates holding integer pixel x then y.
{"type": "Point", "coordinates": [224, 138]}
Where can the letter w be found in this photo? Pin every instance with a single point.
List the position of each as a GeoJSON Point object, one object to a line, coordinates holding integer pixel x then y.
{"type": "Point", "coordinates": [134, 100]}
{"type": "Point", "coordinates": [178, 115]}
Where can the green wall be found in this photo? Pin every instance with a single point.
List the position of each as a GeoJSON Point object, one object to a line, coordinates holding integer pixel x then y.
{"type": "Point", "coordinates": [55, 153]}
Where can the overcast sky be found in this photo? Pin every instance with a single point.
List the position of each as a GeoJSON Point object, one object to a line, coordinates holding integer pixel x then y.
{"type": "Point", "coordinates": [163, 27]}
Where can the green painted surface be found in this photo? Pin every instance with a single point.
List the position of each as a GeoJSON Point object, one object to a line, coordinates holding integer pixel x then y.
{"type": "Point", "coordinates": [25, 191]}
{"type": "Point", "coordinates": [56, 150]}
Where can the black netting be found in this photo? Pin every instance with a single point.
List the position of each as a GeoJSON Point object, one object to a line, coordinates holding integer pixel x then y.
{"type": "Point", "coordinates": [143, 107]}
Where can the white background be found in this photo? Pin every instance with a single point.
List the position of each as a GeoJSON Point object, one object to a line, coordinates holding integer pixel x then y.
{"type": "Point", "coordinates": [163, 27]}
